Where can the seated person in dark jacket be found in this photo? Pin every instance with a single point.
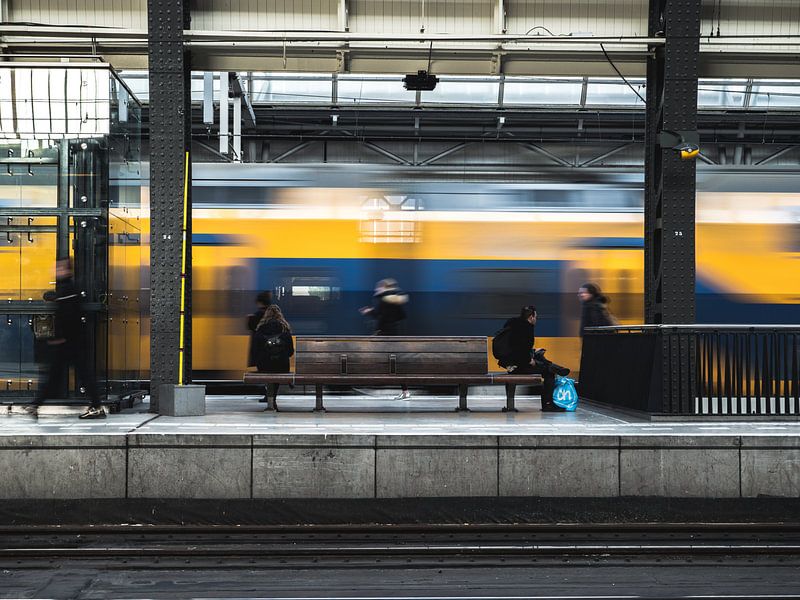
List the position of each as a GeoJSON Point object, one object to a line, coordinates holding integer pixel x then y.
{"type": "Point", "coordinates": [524, 360]}
{"type": "Point", "coordinates": [274, 347]}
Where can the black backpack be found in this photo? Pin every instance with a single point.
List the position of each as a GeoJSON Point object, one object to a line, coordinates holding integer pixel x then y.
{"type": "Point", "coordinates": [501, 344]}
{"type": "Point", "coordinates": [275, 346]}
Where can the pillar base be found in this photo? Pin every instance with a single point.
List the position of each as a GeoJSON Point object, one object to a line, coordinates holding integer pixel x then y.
{"type": "Point", "coordinates": [182, 400]}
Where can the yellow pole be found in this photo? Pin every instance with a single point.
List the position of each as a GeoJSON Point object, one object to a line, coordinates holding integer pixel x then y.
{"type": "Point", "coordinates": [183, 268]}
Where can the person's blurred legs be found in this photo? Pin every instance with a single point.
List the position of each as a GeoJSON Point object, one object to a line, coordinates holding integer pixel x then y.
{"type": "Point", "coordinates": [85, 375]}
{"type": "Point", "coordinates": [57, 372]}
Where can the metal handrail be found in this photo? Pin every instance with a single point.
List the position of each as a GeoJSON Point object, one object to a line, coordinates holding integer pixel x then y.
{"type": "Point", "coordinates": [702, 327]}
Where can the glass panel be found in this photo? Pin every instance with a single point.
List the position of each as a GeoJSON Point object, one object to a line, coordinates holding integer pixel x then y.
{"type": "Point", "coordinates": [40, 187]}
{"type": "Point", "coordinates": [38, 255]}
{"type": "Point", "coordinates": [139, 84]}
{"type": "Point", "coordinates": [312, 89]}
{"type": "Point", "coordinates": [132, 247]}
{"type": "Point", "coordinates": [10, 354]}
{"type": "Point", "coordinates": [775, 94]}
{"type": "Point", "coordinates": [30, 353]}
{"type": "Point", "coordinates": [115, 301]}
{"type": "Point", "coordinates": [614, 92]}
{"type": "Point", "coordinates": [9, 263]}
{"type": "Point", "coordinates": [365, 89]}
{"type": "Point", "coordinates": [542, 91]}
{"type": "Point", "coordinates": [23, 102]}
{"type": "Point", "coordinates": [127, 206]}
{"type": "Point", "coordinates": [6, 102]}
{"type": "Point", "coordinates": [725, 93]}
{"type": "Point", "coordinates": [463, 91]}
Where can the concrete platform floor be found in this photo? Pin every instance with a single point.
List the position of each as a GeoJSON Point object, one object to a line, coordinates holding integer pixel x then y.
{"type": "Point", "coordinates": [378, 415]}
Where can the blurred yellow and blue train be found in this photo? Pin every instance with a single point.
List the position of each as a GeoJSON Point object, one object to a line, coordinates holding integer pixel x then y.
{"type": "Point", "coordinates": [468, 253]}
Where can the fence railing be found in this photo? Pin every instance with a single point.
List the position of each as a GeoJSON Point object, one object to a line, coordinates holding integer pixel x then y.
{"type": "Point", "coordinates": [694, 369]}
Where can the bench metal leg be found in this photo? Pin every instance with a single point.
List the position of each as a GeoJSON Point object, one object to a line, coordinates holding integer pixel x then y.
{"type": "Point", "coordinates": [318, 406]}
{"type": "Point", "coordinates": [511, 389]}
{"type": "Point", "coordinates": [462, 399]}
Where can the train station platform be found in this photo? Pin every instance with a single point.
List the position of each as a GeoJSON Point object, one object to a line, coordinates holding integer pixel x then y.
{"type": "Point", "coordinates": [418, 448]}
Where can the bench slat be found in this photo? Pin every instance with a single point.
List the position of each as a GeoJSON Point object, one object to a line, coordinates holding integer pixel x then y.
{"type": "Point", "coordinates": [404, 363]}
{"type": "Point", "coordinates": [393, 345]}
{"type": "Point", "coordinates": [439, 379]}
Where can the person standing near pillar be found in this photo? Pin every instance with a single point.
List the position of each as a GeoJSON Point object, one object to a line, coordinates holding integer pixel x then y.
{"type": "Point", "coordinates": [594, 307]}
{"type": "Point", "coordinates": [68, 346]}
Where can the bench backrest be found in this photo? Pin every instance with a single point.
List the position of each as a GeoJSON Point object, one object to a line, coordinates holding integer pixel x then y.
{"type": "Point", "coordinates": [391, 355]}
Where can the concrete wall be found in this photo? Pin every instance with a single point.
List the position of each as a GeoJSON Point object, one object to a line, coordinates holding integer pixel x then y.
{"type": "Point", "coordinates": [386, 466]}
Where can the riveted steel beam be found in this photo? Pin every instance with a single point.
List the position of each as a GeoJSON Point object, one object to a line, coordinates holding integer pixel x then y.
{"type": "Point", "coordinates": [170, 138]}
{"type": "Point", "coordinates": [670, 181]}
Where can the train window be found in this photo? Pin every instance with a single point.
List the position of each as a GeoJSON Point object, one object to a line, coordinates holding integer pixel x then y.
{"type": "Point", "coordinates": [390, 219]}
{"type": "Point", "coordinates": [300, 296]}
{"type": "Point", "coordinates": [317, 291]}
{"type": "Point", "coordinates": [498, 293]}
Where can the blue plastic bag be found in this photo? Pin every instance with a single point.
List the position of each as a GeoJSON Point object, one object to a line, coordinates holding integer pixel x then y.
{"type": "Point", "coordinates": [564, 394]}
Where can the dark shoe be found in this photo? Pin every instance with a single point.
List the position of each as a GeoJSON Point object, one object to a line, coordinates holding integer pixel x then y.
{"type": "Point", "coordinates": [94, 412]}
{"type": "Point", "coordinates": [32, 410]}
{"type": "Point", "coordinates": [555, 369]}
{"type": "Point", "coordinates": [552, 408]}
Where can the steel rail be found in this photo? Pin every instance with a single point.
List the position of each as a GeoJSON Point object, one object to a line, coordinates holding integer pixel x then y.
{"type": "Point", "coordinates": [294, 550]}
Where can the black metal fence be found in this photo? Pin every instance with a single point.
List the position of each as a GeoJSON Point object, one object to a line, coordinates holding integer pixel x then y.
{"type": "Point", "coordinates": [694, 369]}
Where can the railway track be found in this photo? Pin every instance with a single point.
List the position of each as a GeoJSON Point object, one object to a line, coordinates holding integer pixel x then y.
{"type": "Point", "coordinates": [320, 546]}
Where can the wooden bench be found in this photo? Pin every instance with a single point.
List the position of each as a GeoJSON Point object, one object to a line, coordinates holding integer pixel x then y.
{"type": "Point", "coordinates": [394, 361]}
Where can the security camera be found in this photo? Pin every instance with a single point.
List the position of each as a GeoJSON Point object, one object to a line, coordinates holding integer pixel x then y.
{"type": "Point", "coordinates": [686, 143]}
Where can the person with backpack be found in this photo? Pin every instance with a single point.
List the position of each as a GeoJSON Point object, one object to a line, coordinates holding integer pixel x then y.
{"type": "Point", "coordinates": [263, 300]}
{"type": "Point", "coordinates": [513, 347]}
{"type": "Point", "coordinates": [273, 340]}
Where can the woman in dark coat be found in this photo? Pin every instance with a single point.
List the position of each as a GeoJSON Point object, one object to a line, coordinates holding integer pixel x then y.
{"type": "Point", "coordinates": [274, 347]}
{"type": "Point", "coordinates": [263, 300]}
{"type": "Point", "coordinates": [594, 307]}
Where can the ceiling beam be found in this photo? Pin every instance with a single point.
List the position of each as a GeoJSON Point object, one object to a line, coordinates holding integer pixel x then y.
{"type": "Point", "coordinates": [293, 150]}
{"type": "Point", "coordinates": [775, 155]}
{"type": "Point", "coordinates": [605, 155]}
{"type": "Point", "coordinates": [384, 152]}
{"type": "Point", "coordinates": [443, 154]}
{"type": "Point", "coordinates": [547, 154]}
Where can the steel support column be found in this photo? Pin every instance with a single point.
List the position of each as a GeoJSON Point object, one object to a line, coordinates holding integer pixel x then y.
{"type": "Point", "coordinates": [669, 181]}
{"type": "Point", "coordinates": [170, 137]}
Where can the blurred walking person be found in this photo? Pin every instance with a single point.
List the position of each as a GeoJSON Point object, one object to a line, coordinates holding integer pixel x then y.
{"type": "Point", "coordinates": [68, 346]}
{"type": "Point", "coordinates": [388, 311]}
{"type": "Point", "coordinates": [594, 307]}
{"type": "Point", "coordinates": [274, 348]}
